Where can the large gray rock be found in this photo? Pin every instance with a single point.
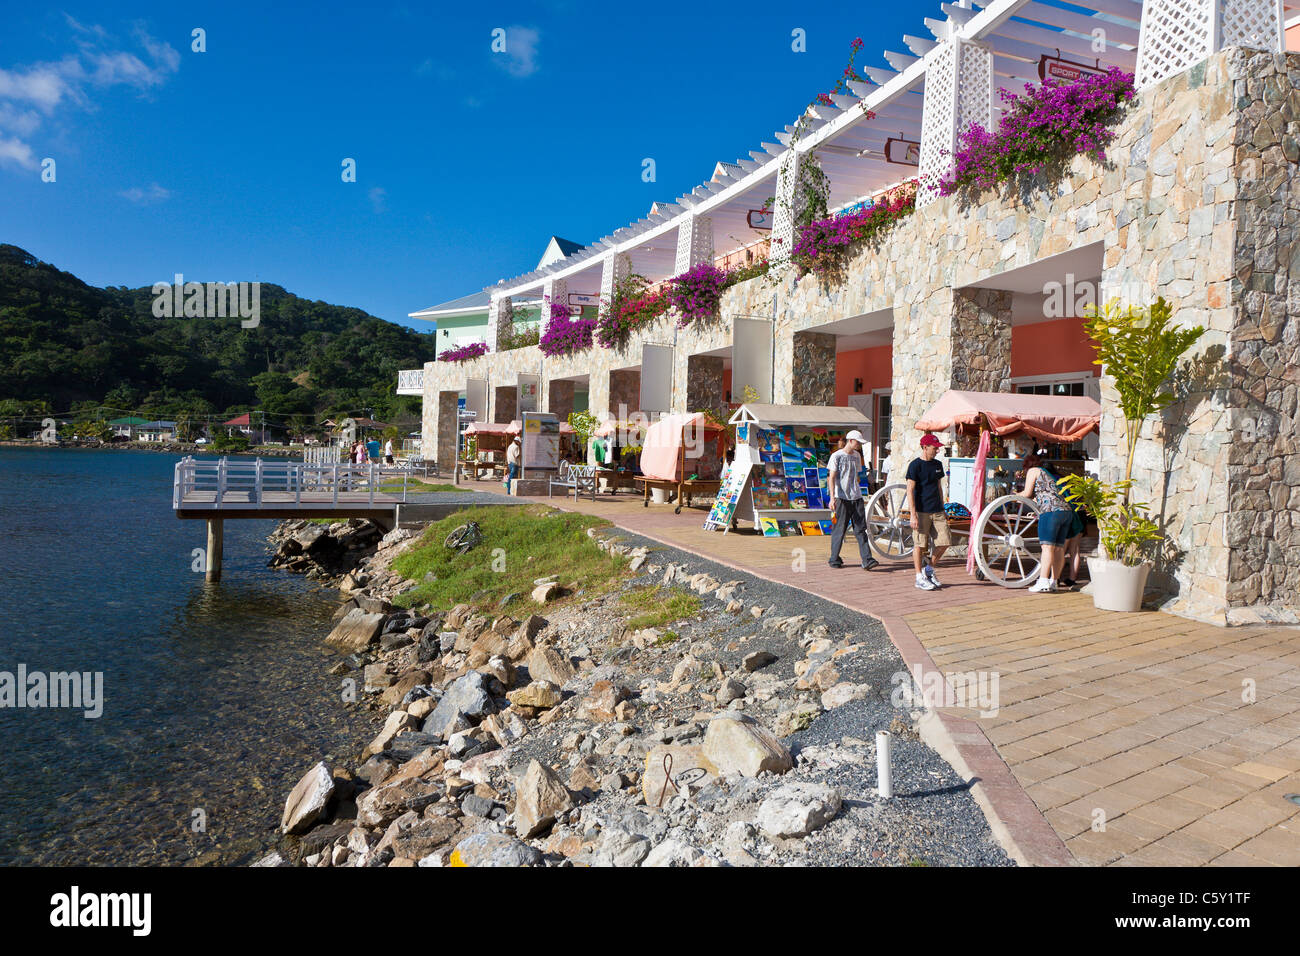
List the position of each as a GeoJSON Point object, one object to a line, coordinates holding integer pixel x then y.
{"type": "Point", "coordinates": [464, 703]}
{"type": "Point", "coordinates": [735, 743]}
{"type": "Point", "coordinates": [493, 849]}
{"type": "Point", "coordinates": [357, 630]}
{"type": "Point", "coordinates": [307, 800]}
{"type": "Point", "coordinates": [539, 796]}
{"type": "Point", "coordinates": [620, 848]}
{"type": "Point", "coordinates": [546, 663]}
{"type": "Point", "coordinates": [797, 809]}
{"type": "Point", "coordinates": [382, 805]}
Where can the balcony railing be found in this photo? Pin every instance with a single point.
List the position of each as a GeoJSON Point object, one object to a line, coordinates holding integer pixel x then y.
{"type": "Point", "coordinates": [410, 381]}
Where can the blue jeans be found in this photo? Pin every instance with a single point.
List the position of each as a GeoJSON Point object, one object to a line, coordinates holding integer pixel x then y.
{"type": "Point", "coordinates": [1054, 527]}
{"type": "Point", "coordinates": [512, 472]}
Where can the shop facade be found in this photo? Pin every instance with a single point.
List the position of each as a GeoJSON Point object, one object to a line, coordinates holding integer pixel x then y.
{"type": "Point", "coordinates": [1197, 203]}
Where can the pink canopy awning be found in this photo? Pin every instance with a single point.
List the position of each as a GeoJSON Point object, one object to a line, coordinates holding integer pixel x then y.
{"type": "Point", "coordinates": [1053, 418]}
{"type": "Point", "coordinates": [488, 428]}
{"type": "Point", "coordinates": [666, 439]}
{"type": "Point", "coordinates": [517, 428]}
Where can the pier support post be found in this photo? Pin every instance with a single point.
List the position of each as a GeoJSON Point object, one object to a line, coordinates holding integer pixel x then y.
{"type": "Point", "coordinates": [216, 529]}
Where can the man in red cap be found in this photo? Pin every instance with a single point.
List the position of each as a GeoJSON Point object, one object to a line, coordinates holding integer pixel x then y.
{"type": "Point", "coordinates": [929, 521]}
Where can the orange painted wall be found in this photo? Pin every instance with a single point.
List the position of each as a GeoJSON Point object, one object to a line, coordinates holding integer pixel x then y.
{"type": "Point", "coordinates": [1051, 348]}
{"type": "Point", "coordinates": [1293, 37]}
{"type": "Point", "coordinates": [875, 366]}
{"type": "Point", "coordinates": [726, 385]}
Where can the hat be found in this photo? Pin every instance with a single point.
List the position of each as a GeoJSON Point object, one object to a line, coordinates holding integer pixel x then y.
{"type": "Point", "coordinates": [927, 440]}
{"type": "Point", "coordinates": [854, 435]}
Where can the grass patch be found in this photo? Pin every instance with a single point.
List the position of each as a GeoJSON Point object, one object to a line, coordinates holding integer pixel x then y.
{"type": "Point", "coordinates": [659, 606]}
{"type": "Point", "coordinates": [556, 545]}
{"type": "Point", "coordinates": [416, 485]}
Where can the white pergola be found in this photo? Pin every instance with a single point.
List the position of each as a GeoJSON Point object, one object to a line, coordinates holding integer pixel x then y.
{"type": "Point", "coordinates": [945, 82]}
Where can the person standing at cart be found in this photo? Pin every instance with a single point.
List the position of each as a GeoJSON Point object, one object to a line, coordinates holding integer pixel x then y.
{"type": "Point", "coordinates": [930, 532]}
{"type": "Point", "coordinates": [513, 456]}
{"type": "Point", "coordinates": [847, 506]}
{"type": "Point", "coordinates": [1054, 520]}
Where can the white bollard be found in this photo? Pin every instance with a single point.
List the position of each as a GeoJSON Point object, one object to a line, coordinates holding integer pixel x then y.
{"type": "Point", "coordinates": [884, 775]}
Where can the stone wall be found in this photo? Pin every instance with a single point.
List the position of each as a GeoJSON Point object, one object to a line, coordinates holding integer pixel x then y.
{"type": "Point", "coordinates": [704, 384]}
{"type": "Point", "coordinates": [505, 404]}
{"type": "Point", "coordinates": [812, 357]}
{"type": "Point", "coordinates": [624, 390]}
{"type": "Point", "coordinates": [1263, 470]}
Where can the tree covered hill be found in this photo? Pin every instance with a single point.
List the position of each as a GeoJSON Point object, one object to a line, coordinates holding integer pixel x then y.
{"type": "Point", "coordinates": [73, 345]}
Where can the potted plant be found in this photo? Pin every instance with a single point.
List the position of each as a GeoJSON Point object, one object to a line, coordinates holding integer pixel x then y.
{"type": "Point", "coordinates": [1138, 347]}
{"type": "Point", "coordinates": [1119, 572]}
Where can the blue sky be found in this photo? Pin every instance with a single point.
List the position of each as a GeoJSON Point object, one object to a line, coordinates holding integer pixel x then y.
{"type": "Point", "coordinates": [226, 164]}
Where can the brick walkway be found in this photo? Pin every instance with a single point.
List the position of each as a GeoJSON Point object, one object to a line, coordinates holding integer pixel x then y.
{"type": "Point", "coordinates": [1128, 732]}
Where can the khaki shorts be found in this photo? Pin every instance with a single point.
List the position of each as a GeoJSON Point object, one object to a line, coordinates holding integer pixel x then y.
{"type": "Point", "coordinates": [931, 531]}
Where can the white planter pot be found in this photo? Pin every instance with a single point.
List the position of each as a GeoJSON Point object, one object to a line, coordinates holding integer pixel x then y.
{"type": "Point", "coordinates": [658, 496]}
{"type": "Point", "coordinates": [1116, 586]}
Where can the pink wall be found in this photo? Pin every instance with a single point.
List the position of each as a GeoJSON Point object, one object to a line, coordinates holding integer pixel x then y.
{"type": "Point", "coordinates": [1293, 37]}
{"type": "Point", "coordinates": [875, 366]}
{"type": "Point", "coordinates": [1051, 348]}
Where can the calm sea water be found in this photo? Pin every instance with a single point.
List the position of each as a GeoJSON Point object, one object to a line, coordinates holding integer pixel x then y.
{"type": "Point", "coordinates": [216, 697]}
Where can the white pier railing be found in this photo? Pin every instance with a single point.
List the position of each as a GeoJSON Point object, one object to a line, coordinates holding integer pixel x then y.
{"type": "Point", "coordinates": [284, 484]}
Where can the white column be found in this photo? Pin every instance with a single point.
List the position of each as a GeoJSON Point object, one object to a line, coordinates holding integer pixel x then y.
{"type": "Point", "coordinates": [553, 290]}
{"type": "Point", "coordinates": [1178, 34]}
{"type": "Point", "coordinates": [784, 212]}
{"type": "Point", "coordinates": [615, 267]}
{"type": "Point", "coordinates": [958, 94]}
{"type": "Point", "coordinates": [501, 315]}
{"type": "Point", "coordinates": [694, 242]}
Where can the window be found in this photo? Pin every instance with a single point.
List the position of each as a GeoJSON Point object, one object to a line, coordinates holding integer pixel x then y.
{"type": "Point", "coordinates": [1059, 388]}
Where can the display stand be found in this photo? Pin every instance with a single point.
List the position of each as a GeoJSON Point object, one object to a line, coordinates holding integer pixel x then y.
{"type": "Point", "coordinates": [806, 435]}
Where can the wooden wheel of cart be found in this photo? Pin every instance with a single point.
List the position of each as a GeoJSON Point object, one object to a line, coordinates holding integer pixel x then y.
{"type": "Point", "coordinates": [1008, 550]}
{"type": "Point", "coordinates": [889, 526]}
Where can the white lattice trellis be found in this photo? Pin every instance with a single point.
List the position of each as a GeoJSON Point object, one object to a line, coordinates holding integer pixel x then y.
{"type": "Point", "coordinates": [694, 242]}
{"type": "Point", "coordinates": [613, 270]}
{"type": "Point", "coordinates": [958, 94]}
{"type": "Point", "coordinates": [501, 315]}
{"type": "Point", "coordinates": [553, 290]}
{"type": "Point", "coordinates": [1178, 34]}
{"type": "Point", "coordinates": [784, 212]}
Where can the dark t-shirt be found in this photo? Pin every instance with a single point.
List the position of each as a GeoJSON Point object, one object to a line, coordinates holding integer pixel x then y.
{"type": "Point", "coordinates": [927, 475]}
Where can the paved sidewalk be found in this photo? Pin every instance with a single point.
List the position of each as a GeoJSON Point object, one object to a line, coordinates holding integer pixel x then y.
{"type": "Point", "coordinates": [1134, 735]}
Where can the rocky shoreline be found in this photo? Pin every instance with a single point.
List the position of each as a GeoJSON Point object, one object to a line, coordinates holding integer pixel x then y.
{"type": "Point", "coordinates": [741, 736]}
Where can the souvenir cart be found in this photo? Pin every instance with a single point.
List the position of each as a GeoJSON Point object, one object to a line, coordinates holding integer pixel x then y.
{"type": "Point", "coordinates": [615, 446]}
{"type": "Point", "coordinates": [783, 455]}
{"type": "Point", "coordinates": [682, 454]}
{"type": "Point", "coordinates": [1006, 528]}
{"type": "Point", "coordinates": [486, 454]}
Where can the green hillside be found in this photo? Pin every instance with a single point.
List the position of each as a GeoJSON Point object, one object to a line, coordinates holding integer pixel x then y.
{"type": "Point", "coordinates": [72, 345]}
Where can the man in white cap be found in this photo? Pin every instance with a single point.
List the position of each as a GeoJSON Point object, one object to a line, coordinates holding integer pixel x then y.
{"type": "Point", "coordinates": [846, 500]}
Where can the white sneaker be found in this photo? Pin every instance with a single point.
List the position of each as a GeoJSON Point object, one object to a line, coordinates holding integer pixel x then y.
{"type": "Point", "coordinates": [931, 576]}
{"type": "Point", "coordinates": [924, 583]}
{"type": "Point", "coordinates": [1044, 586]}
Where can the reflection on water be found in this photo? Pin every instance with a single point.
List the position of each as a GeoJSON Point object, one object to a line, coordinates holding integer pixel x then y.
{"type": "Point", "coordinates": [215, 696]}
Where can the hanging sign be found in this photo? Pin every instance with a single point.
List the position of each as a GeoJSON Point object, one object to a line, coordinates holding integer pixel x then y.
{"type": "Point", "coordinates": [760, 218]}
{"type": "Point", "coordinates": [902, 152]}
{"type": "Point", "coordinates": [1067, 71]}
{"type": "Point", "coordinates": [581, 298]}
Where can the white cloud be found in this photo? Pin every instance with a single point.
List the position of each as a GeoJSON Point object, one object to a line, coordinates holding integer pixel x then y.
{"type": "Point", "coordinates": [16, 152]}
{"type": "Point", "coordinates": [30, 90]}
{"type": "Point", "coordinates": [378, 198]}
{"type": "Point", "coordinates": [520, 55]}
{"type": "Point", "coordinates": [153, 193]}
